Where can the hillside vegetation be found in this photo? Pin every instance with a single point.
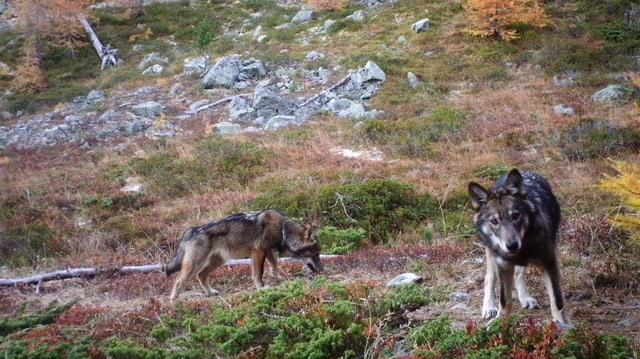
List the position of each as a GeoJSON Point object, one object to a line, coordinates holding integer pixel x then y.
{"type": "Point", "coordinates": [483, 106]}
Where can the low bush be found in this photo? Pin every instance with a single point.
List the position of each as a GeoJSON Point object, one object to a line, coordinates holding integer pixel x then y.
{"type": "Point", "coordinates": [383, 208]}
{"type": "Point", "coordinates": [217, 162]}
{"type": "Point", "coordinates": [590, 138]}
{"type": "Point", "coordinates": [337, 241]}
{"type": "Point", "coordinates": [413, 137]}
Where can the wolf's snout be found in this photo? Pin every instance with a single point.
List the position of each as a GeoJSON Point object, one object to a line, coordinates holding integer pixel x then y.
{"type": "Point", "coordinates": [315, 265]}
{"type": "Point", "coordinates": [513, 246]}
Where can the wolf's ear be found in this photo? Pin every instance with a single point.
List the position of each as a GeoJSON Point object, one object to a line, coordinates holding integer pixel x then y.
{"type": "Point", "coordinates": [479, 195]}
{"type": "Point", "coordinates": [310, 232]}
{"type": "Point", "coordinates": [513, 183]}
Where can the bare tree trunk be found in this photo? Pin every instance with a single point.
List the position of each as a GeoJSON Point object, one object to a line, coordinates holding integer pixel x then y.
{"type": "Point", "coordinates": [92, 272]}
{"type": "Point", "coordinates": [107, 54]}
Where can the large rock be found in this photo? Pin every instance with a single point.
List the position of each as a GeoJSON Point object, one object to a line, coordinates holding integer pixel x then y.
{"type": "Point", "coordinates": [223, 74]}
{"type": "Point", "coordinates": [149, 109]}
{"type": "Point", "coordinates": [366, 82]}
{"type": "Point", "coordinates": [612, 92]}
{"type": "Point", "coordinates": [240, 110]}
{"type": "Point", "coordinates": [233, 72]}
{"type": "Point", "coordinates": [421, 26]}
{"type": "Point", "coordinates": [268, 104]}
{"type": "Point", "coordinates": [227, 128]}
{"type": "Point", "coordinates": [281, 121]}
{"type": "Point", "coordinates": [304, 16]}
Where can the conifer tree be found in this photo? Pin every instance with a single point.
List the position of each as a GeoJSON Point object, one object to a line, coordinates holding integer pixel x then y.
{"type": "Point", "coordinates": [496, 18]}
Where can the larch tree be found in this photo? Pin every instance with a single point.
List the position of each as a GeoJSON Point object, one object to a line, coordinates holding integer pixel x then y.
{"type": "Point", "coordinates": [55, 23]}
{"type": "Point", "coordinates": [496, 18]}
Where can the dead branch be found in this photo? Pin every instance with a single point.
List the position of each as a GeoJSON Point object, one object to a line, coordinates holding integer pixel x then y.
{"type": "Point", "coordinates": [325, 92]}
{"type": "Point", "coordinates": [92, 272]}
{"type": "Point", "coordinates": [209, 105]}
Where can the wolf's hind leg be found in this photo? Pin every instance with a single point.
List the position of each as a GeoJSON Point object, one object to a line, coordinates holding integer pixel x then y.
{"type": "Point", "coordinates": [203, 276]}
{"type": "Point", "coordinates": [184, 275]}
{"type": "Point", "coordinates": [526, 300]}
{"type": "Point", "coordinates": [257, 267]}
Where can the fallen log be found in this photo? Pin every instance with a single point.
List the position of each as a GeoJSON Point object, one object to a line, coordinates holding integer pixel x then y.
{"type": "Point", "coordinates": [108, 55]}
{"type": "Point", "coordinates": [92, 272]}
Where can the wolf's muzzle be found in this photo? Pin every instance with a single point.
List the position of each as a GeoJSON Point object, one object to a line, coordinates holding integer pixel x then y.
{"type": "Point", "coordinates": [315, 265]}
{"type": "Point", "coordinates": [513, 246]}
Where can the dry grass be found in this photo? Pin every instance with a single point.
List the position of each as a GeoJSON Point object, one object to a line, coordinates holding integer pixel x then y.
{"type": "Point", "coordinates": [510, 122]}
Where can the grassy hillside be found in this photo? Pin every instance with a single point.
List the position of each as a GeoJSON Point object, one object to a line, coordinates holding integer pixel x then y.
{"type": "Point", "coordinates": [485, 106]}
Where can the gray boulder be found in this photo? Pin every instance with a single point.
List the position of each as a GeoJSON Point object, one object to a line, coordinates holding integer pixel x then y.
{"type": "Point", "coordinates": [421, 26]}
{"type": "Point", "coordinates": [414, 80]}
{"type": "Point", "coordinates": [357, 16]}
{"type": "Point", "coordinates": [368, 80]}
{"type": "Point", "coordinates": [95, 96]}
{"type": "Point", "coordinates": [612, 92]}
{"type": "Point", "coordinates": [241, 111]}
{"type": "Point", "coordinates": [223, 74]}
{"type": "Point", "coordinates": [405, 279]}
{"type": "Point", "coordinates": [304, 16]}
{"type": "Point", "coordinates": [227, 128]}
{"type": "Point", "coordinates": [564, 110]}
{"type": "Point", "coordinates": [268, 104]}
{"type": "Point", "coordinates": [149, 109]}
{"type": "Point", "coordinates": [280, 121]}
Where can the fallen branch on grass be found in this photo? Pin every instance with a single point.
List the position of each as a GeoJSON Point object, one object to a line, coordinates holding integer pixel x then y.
{"type": "Point", "coordinates": [92, 272]}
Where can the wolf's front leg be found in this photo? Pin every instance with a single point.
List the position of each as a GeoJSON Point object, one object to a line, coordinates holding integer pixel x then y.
{"type": "Point", "coordinates": [551, 277]}
{"type": "Point", "coordinates": [272, 257]}
{"type": "Point", "coordinates": [526, 300]}
{"type": "Point", "coordinates": [489, 308]}
{"type": "Point", "coordinates": [505, 280]}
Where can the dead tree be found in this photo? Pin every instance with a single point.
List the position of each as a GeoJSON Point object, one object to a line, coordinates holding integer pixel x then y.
{"type": "Point", "coordinates": [108, 55]}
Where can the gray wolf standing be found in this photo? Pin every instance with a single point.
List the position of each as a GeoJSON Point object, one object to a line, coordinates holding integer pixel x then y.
{"type": "Point", "coordinates": [257, 235]}
{"type": "Point", "coordinates": [517, 222]}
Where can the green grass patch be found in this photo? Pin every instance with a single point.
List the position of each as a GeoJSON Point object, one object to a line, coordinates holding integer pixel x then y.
{"type": "Point", "coordinates": [413, 137]}
{"type": "Point", "coordinates": [590, 138]}
{"type": "Point", "coordinates": [217, 162]}
{"type": "Point", "coordinates": [383, 208]}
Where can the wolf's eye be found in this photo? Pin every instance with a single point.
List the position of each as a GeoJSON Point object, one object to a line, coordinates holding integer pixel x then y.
{"type": "Point", "coordinates": [515, 216]}
{"type": "Point", "coordinates": [494, 221]}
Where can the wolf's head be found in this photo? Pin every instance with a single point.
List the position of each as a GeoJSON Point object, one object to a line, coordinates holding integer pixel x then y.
{"type": "Point", "coordinates": [301, 243]}
{"type": "Point", "coordinates": [503, 214]}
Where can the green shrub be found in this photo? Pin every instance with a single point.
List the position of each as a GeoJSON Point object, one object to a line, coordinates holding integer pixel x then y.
{"type": "Point", "coordinates": [337, 241]}
{"type": "Point", "coordinates": [23, 245]}
{"type": "Point", "coordinates": [381, 207]}
{"type": "Point", "coordinates": [493, 171]}
{"type": "Point", "coordinates": [514, 338]}
{"type": "Point", "coordinates": [46, 316]}
{"type": "Point", "coordinates": [218, 162]}
{"type": "Point", "coordinates": [412, 137]}
{"type": "Point", "coordinates": [205, 33]}
{"type": "Point", "coordinates": [408, 297]}
{"type": "Point", "coordinates": [591, 138]}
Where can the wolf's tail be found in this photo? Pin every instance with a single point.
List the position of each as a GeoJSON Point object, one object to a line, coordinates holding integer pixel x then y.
{"type": "Point", "coordinates": [175, 264]}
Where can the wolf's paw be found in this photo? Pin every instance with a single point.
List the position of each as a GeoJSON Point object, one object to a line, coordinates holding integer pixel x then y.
{"type": "Point", "coordinates": [489, 312]}
{"type": "Point", "coordinates": [529, 303]}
